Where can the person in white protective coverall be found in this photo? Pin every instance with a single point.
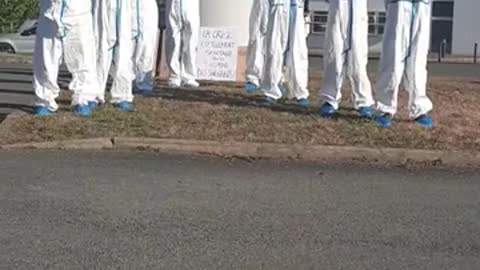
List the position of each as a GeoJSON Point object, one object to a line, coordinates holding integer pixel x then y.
{"type": "Point", "coordinates": [405, 53]}
{"type": "Point", "coordinates": [286, 47]}
{"type": "Point", "coordinates": [115, 33]}
{"type": "Point", "coordinates": [256, 44]}
{"type": "Point", "coordinates": [183, 26]}
{"type": "Point", "coordinates": [146, 46]}
{"type": "Point", "coordinates": [346, 54]}
{"type": "Point", "coordinates": [65, 32]}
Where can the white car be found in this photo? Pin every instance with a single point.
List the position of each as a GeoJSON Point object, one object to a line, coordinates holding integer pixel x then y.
{"type": "Point", "coordinates": [23, 41]}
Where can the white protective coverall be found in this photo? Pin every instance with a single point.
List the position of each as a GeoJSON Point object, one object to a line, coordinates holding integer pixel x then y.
{"type": "Point", "coordinates": [405, 53]}
{"type": "Point", "coordinates": [146, 44]}
{"type": "Point", "coordinates": [257, 41]}
{"type": "Point", "coordinates": [286, 47]}
{"type": "Point", "coordinates": [346, 53]}
{"type": "Point", "coordinates": [115, 33]}
{"type": "Point", "coordinates": [64, 32]}
{"type": "Point", "coordinates": [183, 26]}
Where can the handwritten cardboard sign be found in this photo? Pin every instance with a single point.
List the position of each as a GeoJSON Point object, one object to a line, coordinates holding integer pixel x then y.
{"type": "Point", "coordinates": [217, 54]}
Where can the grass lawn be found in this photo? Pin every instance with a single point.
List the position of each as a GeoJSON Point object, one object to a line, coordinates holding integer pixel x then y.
{"type": "Point", "coordinates": [225, 113]}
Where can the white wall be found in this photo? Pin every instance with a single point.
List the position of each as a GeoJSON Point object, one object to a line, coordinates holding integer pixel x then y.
{"type": "Point", "coordinates": [226, 13]}
{"type": "Point", "coordinates": [466, 26]}
{"type": "Point", "coordinates": [376, 5]}
{"type": "Point", "coordinates": [318, 5]}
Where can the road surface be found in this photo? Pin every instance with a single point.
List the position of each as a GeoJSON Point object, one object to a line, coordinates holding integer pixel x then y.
{"type": "Point", "coordinates": [120, 210]}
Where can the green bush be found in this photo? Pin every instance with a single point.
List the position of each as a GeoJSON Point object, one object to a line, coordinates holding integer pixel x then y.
{"type": "Point", "coordinates": [15, 12]}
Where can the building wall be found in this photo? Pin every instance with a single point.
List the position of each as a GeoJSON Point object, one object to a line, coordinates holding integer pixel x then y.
{"type": "Point", "coordinates": [466, 26]}
{"type": "Point", "coordinates": [226, 13]}
{"type": "Point", "coordinates": [316, 40]}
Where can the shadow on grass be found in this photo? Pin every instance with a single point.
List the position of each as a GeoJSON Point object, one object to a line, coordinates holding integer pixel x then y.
{"type": "Point", "coordinates": [237, 98]}
{"type": "Point", "coordinates": [229, 98]}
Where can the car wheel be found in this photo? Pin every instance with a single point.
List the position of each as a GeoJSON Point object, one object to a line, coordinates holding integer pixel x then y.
{"type": "Point", "coordinates": [6, 48]}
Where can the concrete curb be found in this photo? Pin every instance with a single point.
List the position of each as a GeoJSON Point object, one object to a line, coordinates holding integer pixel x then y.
{"type": "Point", "coordinates": [187, 146]}
{"type": "Point", "coordinates": [303, 152]}
{"type": "Point", "coordinates": [267, 151]}
{"type": "Point", "coordinates": [83, 144]}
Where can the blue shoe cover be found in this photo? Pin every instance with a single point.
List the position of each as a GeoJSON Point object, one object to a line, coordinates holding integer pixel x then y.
{"type": "Point", "coordinates": [41, 111]}
{"type": "Point", "coordinates": [82, 110]}
{"type": "Point", "coordinates": [250, 87]}
{"type": "Point", "coordinates": [425, 121]}
{"type": "Point", "coordinates": [304, 102]}
{"type": "Point", "coordinates": [93, 105]}
{"type": "Point", "coordinates": [365, 112]}
{"type": "Point", "coordinates": [124, 106]}
{"type": "Point", "coordinates": [327, 110]}
{"type": "Point", "coordinates": [384, 120]}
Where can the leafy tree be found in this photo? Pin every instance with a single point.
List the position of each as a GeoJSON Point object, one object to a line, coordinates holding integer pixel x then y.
{"type": "Point", "coordinates": [14, 12]}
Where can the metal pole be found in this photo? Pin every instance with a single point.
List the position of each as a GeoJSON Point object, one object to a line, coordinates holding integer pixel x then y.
{"type": "Point", "coordinates": [444, 48]}
{"type": "Point", "coordinates": [475, 53]}
{"type": "Point", "coordinates": [440, 53]}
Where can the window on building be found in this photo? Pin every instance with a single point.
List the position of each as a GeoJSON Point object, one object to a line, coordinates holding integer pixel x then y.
{"type": "Point", "coordinates": [376, 23]}
{"type": "Point", "coordinates": [443, 9]}
{"type": "Point", "coordinates": [442, 25]}
{"type": "Point", "coordinates": [319, 22]}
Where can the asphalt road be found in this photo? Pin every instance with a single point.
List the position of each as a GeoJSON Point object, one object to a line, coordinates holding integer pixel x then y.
{"type": "Point", "coordinates": [16, 92]}
{"type": "Point", "coordinates": [462, 70]}
{"type": "Point", "coordinates": [117, 210]}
